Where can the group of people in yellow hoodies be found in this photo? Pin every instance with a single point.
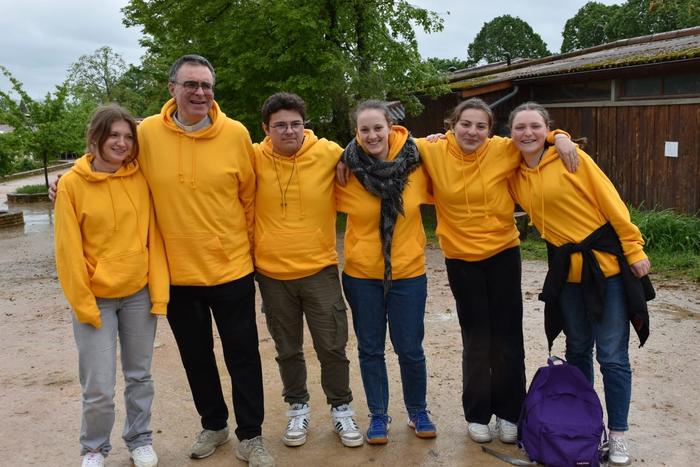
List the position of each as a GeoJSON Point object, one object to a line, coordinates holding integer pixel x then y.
{"type": "Point", "coordinates": [219, 207]}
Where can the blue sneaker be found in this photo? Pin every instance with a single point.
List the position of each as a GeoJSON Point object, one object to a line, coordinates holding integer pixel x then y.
{"type": "Point", "coordinates": [378, 431]}
{"type": "Point", "coordinates": [421, 423]}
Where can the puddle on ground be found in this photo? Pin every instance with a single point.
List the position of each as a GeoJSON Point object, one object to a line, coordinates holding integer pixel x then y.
{"type": "Point", "coordinates": [38, 217]}
{"type": "Point", "coordinates": [676, 311]}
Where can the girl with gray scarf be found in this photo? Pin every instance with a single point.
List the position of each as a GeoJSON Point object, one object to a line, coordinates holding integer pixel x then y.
{"type": "Point", "coordinates": [384, 276]}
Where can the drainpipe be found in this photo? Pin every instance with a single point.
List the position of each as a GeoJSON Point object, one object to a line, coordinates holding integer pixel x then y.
{"type": "Point", "coordinates": [508, 96]}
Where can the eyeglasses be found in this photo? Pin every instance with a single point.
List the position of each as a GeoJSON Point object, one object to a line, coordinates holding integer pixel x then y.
{"type": "Point", "coordinates": [282, 126]}
{"type": "Point", "coordinates": [192, 86]}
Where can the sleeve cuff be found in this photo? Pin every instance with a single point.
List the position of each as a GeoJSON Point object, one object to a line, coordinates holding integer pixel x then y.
{"type": "Point", "coordinates": [159, 308]}
{"type": "Point", "coordinates": [552, 134]}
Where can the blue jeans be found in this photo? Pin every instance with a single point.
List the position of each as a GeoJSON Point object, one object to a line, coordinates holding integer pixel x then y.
{"type": "Point", "coordinates": [611, 337]}
{"type": "Point", "coordinates": [403, 309]}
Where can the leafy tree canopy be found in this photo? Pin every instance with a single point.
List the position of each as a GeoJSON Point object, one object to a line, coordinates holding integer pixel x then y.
{"type": "Point", "coordinates": [588, 27]}
{"type": "Point", "coordinates": [42, 129]}
{"type": "Point", "coordinates": [444, 65]}
{"type": "Point", "coordinates": [103, 77]}
{"type": "Point", "coordinates": [596, 23]}
{"type": "Point", "coordinates": [333, 53]}
{"type": "Point", "coordinates": [642, 17]}
{"type": "Point", "coordinates": [506, 37]}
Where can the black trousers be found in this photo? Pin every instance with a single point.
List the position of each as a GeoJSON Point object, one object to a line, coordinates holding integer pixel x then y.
{"type": "Point", "coordinates": [490, 310]}
{"type": "Point", "coordinates": [233, 306]}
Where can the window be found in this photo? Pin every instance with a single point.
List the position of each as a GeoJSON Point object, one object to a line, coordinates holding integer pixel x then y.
{"type": "Point", "coordinates": [572, 92]}
{"type": "Point", "coordinates": [683, 85]}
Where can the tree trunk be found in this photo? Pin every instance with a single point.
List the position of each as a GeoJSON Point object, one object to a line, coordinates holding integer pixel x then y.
{"type": "Point", "coordinates": [46, 170]}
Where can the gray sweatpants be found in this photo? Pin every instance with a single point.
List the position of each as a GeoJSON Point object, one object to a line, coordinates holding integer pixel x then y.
{"type": "Point", "coordinates": [131, 320]}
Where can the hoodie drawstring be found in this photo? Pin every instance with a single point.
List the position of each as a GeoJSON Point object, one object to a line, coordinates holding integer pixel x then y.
{"type": "Point", "coordinates": [114, 209]}
{"type": "Point", "coordinates": [136, 212]}
{"type": "Point", "coordinates": [543, 231]}
{"type": "Point", "coordinates": [464, 185]}
{"type": "Point", "coordinates": [181, 163]}
{"type": "Point", "coordinates": [283, 191]}
{"type": "Point", "coordinates": [193, 182]}
{"type": "Point", "coordinates": [180, 170]}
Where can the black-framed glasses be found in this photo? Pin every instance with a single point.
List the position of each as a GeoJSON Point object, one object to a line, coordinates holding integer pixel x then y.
{"type": "Point", "coordinates": [282, 126]}
{"type": "Point", "coordinates": [192, 86]}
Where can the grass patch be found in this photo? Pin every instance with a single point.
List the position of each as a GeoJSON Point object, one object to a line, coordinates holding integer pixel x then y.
{"type": "Point", "coordinates": [672, 242]}
{"type": "Point", "coordinates": [533, 247]}
{"type": "Point", "coordinates": [32, 189]}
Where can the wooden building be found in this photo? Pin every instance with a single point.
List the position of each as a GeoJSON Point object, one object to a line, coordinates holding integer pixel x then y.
{"type": "Point", "coordinates": [636, 100]}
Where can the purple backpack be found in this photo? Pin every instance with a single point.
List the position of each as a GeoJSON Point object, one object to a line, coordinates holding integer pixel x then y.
{"type": "Point", "coordinates": [561, 423]}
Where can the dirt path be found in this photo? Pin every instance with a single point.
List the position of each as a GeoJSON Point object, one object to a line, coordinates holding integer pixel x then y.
{"type": "Point", "coordinates": [40, 394]}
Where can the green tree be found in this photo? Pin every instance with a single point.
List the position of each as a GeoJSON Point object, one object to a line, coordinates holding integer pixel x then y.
{"type": "Point", "coordinates": [45, 128]}
{"type": "Point", "coordinates": [331, 52]}
{"type": "Point", "coordinates": [506, 37]}
{"type": "Point", "coordinates": [641, 17]}
{"type": "Point", "coordinates": [588, 27]}
{"type": "Point", "coordinates": [96, 76]}
{"type": "Point", "coordinates": [444, 65]}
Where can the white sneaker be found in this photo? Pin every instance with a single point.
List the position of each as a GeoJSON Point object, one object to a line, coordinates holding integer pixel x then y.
{"type": "Point", "coordinates": [507, 431]}
{"type": "Point", "coordinates": [207, 441]}
{"type": "Point", "coordinates": [346, 427]}
{"type": "Point", "coordinates": [93, 459]}
{"type": "Point", "coordinates": [144, 456]}
{"type": "Point", "coordinates": [479, 433]}
{"type": "Point", "coordinates": [298, 424]}
{"type": "Point", "coordinates": [619, 454]}
{"type": "Point", "coordinates": [254, 452]}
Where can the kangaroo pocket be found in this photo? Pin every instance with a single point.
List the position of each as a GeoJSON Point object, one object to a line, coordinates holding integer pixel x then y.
{"type": "Point", "coordinates": [194, 259]}
{"type": "Point", "coordinates": [119, 276]}
{"type": "Point", "coordinates": [283, 252]}
{"type": "Point", "coordinates": [364, 259]}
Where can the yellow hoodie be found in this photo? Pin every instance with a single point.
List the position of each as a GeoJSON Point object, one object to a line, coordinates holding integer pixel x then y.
{"type": "Point", "coordinates": [106, 239]}
{"type": "Point", "coordinates": [567, 208]}
{"type": "Point", "coordinates": [295, 208]}
{"type": "Point", "coordinates": [363, 246]}
{"type": "Point", "coordinates": [203, 189]}
{"type": "Point", "coordinates": [474, 207]}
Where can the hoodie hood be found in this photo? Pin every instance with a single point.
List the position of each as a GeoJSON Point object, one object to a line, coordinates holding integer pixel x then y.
{"type": "Point", "coordinates": [83, 167]}
{"type": "Point", "coordinates": [397, 138]}
{"type": "Point", "coordinates": [309, 140]}
{"type": "Point", "coordinates": [215, 114]}
{"type": "Point", "coordinates": [456, 151]}
{"type": "Point", "coordinates": [549, 156]}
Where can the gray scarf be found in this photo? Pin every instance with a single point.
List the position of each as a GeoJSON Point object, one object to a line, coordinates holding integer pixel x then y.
{"type": "Point", "coordinates": [385, 180]}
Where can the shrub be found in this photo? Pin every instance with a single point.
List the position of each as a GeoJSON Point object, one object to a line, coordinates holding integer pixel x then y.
{"type": "Point", "coordinates": [32, 189]}
{"type": "Point", "coordinates": [668, 231]}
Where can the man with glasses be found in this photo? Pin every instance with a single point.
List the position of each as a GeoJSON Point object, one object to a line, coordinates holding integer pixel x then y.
{"type": "Point", "coordinates": [199, 167]}
{"type": "Point", "coordinates": [297, 265]}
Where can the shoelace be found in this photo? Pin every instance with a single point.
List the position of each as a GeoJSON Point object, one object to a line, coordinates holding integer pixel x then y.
{"type": "Point", "coordinates": [618, 446]}
{"type": "Point", "coordinates": [257, 447]}
{"type": "Point", "coordinates": [142, 451]}
{"type": "Point", "coordinates": [297, 423]}
{"type": "Point", "coordinates": [379, 422]}
{"type": "Point", "coordinates": [346, 423]}
{"type": "Point", "coordinates": [93, 458]}
{"type": "Point", "coordinates": [421, 419]}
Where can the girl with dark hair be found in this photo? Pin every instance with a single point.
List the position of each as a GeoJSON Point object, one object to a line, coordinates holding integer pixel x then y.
{"type": "Point", "coordinates": [477, 233]}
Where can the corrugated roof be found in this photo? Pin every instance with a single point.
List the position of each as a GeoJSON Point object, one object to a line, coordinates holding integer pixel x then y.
{"type": "Point", "coordinates": [6, 128]}
{"type": "Point", "coordinates": [663, 47]}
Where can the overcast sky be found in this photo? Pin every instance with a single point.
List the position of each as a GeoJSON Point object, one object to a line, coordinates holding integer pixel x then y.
{"type": "Point", "coordinates": [41, 38]}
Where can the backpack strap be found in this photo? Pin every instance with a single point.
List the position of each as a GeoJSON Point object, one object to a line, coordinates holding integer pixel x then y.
{"type": "Point", "coordinates": [506, 458]}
